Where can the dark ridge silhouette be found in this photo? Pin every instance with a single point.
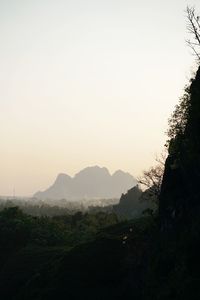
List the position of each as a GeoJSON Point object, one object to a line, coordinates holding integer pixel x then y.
{"type": "Point", "coordinates": [132, 204]}
{"type": "Point", "coordinates": [89, 183]}
{"type": "Point", "coordinates": [180, 193]}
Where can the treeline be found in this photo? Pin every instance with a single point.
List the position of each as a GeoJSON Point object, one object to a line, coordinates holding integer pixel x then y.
{"type": "Point", "coordinates": [130, 205]}
{"type": "Point", "coordinates": [18, 229]}
{"type": "Point", "coordinates": [40, 208]}
{"type": "Point", "coordinates": [50, 208]}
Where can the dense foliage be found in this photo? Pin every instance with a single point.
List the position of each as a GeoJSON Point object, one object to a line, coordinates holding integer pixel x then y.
{"type": "Point", "coordinates": [79, 255]}
{"type": "Point", "coordinates": [180, 191]}
{"type": "Point", "coordinates": [178, 120]}
{"type": "Point", "coordinates": [18, 229]}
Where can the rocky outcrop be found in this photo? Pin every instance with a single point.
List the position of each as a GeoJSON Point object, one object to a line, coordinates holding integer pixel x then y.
{"type": "Point", "coordinates": [133, 204]}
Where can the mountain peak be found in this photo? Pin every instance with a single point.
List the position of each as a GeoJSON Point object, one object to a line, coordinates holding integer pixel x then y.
{"type": "Point", "coordinates": [92, 182]}
{"type": "Point", "coordinates": [93, 169]}
{"type": "Point", "coordinates": [120, 172]}
{"type": "Point", "coordinates": [62, 177]}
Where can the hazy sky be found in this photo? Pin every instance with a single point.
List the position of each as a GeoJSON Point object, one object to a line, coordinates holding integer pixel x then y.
{"type": "Point", "coordinates": [87, 82]}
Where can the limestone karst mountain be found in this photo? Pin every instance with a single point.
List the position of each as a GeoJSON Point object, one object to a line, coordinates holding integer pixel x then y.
{"type": "Point", "coordinates": [90, 183]}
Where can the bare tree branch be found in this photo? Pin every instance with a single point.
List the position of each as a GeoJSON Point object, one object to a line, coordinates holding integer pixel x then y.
{"type": "Point", "coordinates": [152, 178]}
{"type": "Point", "coordinates": [193, 28]}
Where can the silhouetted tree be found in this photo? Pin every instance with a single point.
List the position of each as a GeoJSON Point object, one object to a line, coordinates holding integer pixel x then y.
{"type": "Point", "coordinates": [152, 178]}
{"type": "Point", "coordinates": [193, 27]}
{"type": "Point", "coordinates": [178, 120]}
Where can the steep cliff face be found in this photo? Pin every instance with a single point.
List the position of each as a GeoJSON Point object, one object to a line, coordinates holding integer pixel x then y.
{"type": "Point", "coordinates": [180, 192]}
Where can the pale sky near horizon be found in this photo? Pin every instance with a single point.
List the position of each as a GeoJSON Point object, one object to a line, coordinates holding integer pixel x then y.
{"type": "Point", "coordinates": [87, 83]}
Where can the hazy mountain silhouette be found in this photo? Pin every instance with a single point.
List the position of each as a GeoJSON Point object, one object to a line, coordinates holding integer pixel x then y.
{"type": "Point", "coordinates": [90, 183]}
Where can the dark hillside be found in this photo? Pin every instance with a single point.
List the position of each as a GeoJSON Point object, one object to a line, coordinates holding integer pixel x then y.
{"type": "Point", "coordinates": [180, 192]}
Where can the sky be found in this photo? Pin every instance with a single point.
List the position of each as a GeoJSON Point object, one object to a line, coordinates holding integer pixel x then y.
{"type": "Point", "coordinates": [87, 83]}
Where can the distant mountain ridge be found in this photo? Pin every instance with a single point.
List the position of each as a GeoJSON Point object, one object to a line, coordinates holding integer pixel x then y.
{"type": "Point", "coordinates": [89, 183]}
